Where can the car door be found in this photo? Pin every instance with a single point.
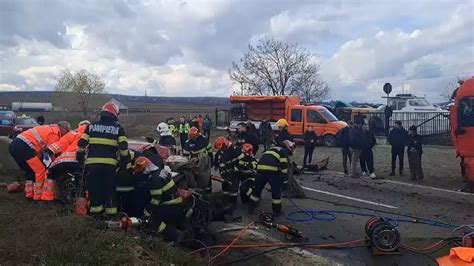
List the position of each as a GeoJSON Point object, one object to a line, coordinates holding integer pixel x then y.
{"type": "Point", "coordinates": [6, 127]}
{"type": "Point", "coordinates": [315, 119]}
{"type": "Point", "coordinates": [295, 125]}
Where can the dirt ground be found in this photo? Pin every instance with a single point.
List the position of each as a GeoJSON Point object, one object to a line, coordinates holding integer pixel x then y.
{"type": "Point", "coordinates": [440, 165]}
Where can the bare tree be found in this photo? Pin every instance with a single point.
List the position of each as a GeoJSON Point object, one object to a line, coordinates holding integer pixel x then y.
{"type": "Point", "coordinates": [82, 86]}
{"type": "Point", "coordinates": [447, 92]}
{"type": "Point", "coordinates": [272, 67]}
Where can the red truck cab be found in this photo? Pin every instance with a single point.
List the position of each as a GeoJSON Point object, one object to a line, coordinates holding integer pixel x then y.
{"type": "Point", "coordinates": [462, 128]}
{"type": "Point", "coordinates": [299, 117]}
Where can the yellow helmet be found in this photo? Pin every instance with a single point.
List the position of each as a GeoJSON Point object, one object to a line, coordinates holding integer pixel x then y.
{"type": "Point", "coordinates": [281, 122]}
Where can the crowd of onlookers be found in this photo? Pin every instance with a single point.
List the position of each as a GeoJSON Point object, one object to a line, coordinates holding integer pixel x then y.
{"type": "Point", "coordinates": [357, 143]}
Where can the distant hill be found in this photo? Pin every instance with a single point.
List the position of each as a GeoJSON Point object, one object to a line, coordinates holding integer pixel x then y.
{"type": "Point", "coordinates": [8, 97]}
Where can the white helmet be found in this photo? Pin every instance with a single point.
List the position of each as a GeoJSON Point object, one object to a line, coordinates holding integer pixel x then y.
{"type": "Point", "coordinates": [163, 129]}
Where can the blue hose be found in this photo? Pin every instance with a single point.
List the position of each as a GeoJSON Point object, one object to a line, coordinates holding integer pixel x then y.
{"type": "Point", "coordinates": [302, 215]}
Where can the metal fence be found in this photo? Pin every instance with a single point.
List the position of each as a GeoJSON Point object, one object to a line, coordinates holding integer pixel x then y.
{"type": "Point", "coordinates": [433, 126]}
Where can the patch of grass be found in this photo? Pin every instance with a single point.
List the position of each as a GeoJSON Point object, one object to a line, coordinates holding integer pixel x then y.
{"type": "Point", "coordinates": [42, 233]}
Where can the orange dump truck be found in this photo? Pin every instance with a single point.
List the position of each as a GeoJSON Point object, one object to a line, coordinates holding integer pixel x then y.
{"type": "Point", "coordinates": [462, 129]}
{"type": "Point", "coordinates": [299, 117]}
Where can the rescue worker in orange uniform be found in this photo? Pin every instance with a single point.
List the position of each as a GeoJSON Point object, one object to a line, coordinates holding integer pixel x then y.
{"type": "Point", "coordinates": [104, 140]}
{"type": "Point", "coordinates": [64, 152]}
{"type": "Point", "coordinates": [27, 150]}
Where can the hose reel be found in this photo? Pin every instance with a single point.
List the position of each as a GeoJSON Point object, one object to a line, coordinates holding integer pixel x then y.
{"type": "Point", "coordinates": [383, 236]}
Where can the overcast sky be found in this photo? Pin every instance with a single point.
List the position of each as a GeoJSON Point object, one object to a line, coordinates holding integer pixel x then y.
{"type": "Point", "coordinates": [185, 48]}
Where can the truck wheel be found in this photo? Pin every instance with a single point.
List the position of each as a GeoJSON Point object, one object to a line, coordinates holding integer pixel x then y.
{"type": "Point", "coordinates": [329, 141]}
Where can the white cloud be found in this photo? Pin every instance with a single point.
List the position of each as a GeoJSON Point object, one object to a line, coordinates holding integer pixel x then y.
{"type": "Point", "coordinates": [186, 47]}
{"type": "Point", "coordinates": [8, 87]}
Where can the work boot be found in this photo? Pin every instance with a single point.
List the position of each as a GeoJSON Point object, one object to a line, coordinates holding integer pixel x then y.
{"type": "Point", "coordinates": [392, 173]}
{"type": "Point", "coordinates": [252, 207]}
{"type": "Point", "coordinates": [170, 233]}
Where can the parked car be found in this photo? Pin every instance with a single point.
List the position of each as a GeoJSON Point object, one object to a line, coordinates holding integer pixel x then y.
{"type": "Point", "coordinates": [11, 125]}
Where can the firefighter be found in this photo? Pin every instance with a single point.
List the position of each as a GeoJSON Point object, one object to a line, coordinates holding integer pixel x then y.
{"type": "Point", "coordinates": [228, 163]}
{"type": "Point", "coordinates": [183, 130]}
{"type": "Point", "coordinates": [27, 150]}
{"type": "Point", "coordinates": [272, 168]}
{"type": "Point", "coordinates": [247, 171]}
{"type": "Point", "coordinates": [141, 195]}
{"type": "Point", "coordinates": [64, 152]}
{"type": "Point", "coordinates": [166, 138]}
{"type": "Point", "coordinates": [197, 145]}
{"type": "Point", "coordinates": [104, 140]}
{"type": "Point", "coordinates": [165, 210]}
{"type": "Point", "coordinates": [282, 133]}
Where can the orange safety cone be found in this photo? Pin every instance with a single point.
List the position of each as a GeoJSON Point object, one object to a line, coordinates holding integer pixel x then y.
{"type": "Point", "coordinates": [48, 190]}
{"type": "Point", "coordinates": [81, 206]}
{"type": "Point", "coordinates": [29, 189]}
{"type": "Point", "coordinates": [37, 190]}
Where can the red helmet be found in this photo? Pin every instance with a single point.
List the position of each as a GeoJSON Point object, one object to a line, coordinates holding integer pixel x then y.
{"type": "Point", "coordinates": [289, 145]}
{"type": "Point", "coordinates": [140, 164]}
{"type": "Point", "coordinates": [222, 143]}
{"type": "Point", "coordinates": [247, 149]}
{"type": "Point", "coordinates": [111, 108]}
{"type": "Point", "coordinates": [193, 133]}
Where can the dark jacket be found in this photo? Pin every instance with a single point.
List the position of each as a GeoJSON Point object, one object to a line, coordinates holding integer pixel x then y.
{"type": "Point", "coordinates": [398, 137]}
{"type": "Point", "coordinates": [282, 135]}
{"type": "Point", "coordinates": [248, 137]}
{"type": "Point", "coordinates": [265, 130]}
{"type": "Point", "coordinates": [368, 141]}
{"type": "Point", "coordinates": [167, 141]}
{"type": "Point", "coordinates": [415, 142]}
{"type": "Point", "coordinates": [310, 139]}
{"type": "Point", "coordinates": [355, 138]}
{"type": "Point", "coordinates": [344, 137]}
{"type": "Point", "coordinates": [103, 140]}
{"type": "Point", "coordinates": [207, 124]}
{"type": "Point", "coordinates": [194, 124]}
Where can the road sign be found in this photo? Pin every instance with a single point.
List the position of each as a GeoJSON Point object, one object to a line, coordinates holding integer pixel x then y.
{"type": "Point", "coordinates": [387, 88]}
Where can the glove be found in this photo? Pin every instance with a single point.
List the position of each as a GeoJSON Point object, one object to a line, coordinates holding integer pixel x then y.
{"type": "Point", "coordinates": [80, 157]}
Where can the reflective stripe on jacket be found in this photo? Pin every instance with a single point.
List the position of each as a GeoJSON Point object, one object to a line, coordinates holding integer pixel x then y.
{"type": "Point", "coordinates": [38, 138]}
{"type": "Point", "coordinates": [275, 159]}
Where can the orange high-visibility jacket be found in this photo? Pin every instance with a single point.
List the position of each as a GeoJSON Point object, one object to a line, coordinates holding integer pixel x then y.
{"type": "Point", "coordinates": [67, 146]}
{"type": "Point", "coordinates": [38, 138]}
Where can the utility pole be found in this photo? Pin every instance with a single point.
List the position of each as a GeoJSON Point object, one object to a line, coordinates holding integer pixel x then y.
{"type": "Point", "coordinates": [146, 103]}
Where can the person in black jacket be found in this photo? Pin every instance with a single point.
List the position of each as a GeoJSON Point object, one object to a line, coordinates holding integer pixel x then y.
{"type": "Point", "coordinates": [310, 139]}
{"type": "Point", "coordinates": [367, 155]}
{"type": "Point", "coordinates": [245, 136]}
{"type": "Point", "coordinates": [415, 150]}
{"type": "Point", "coordinates": [355, 145]}
{"type": "Point", "coordinates": [344, 143]}
{"type": "Point", "coordinates": [206, 127]}
{"type": "Point", "coordinates": [265, 131]}
{"type": "Point", "coordinates": [398, 138]}
{"type": "Point", "coordinates": [165, 210]}
{"type": "Point", "coordinates": [102, 142]}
